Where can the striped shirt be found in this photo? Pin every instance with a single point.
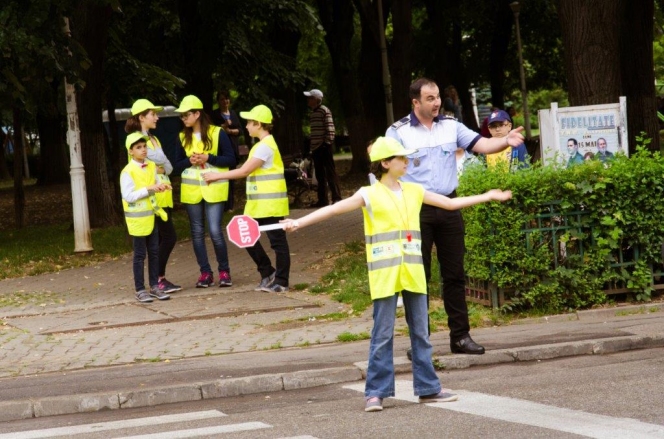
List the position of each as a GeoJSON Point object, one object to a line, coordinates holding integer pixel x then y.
{"type": "Point", "coordinates": [322, 127]}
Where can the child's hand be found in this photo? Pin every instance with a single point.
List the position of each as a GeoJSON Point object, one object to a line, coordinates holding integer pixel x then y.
{"type": "Point", "coordinates": [200, 159]}
{"type": "Point", "coordinates": [290, 225]}
{"type": "Point", "coordinates": [211, 176]}
{"type": "Point", "coordinates": [499, 195]}
{"type": "Point", "coordinates": [161, 187]}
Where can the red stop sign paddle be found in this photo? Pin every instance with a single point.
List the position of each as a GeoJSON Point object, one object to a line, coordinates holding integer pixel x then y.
{"type": "Point", "coordinates": [244, 231]}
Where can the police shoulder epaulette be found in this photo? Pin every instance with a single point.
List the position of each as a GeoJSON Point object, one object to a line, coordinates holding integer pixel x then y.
{"type": "Point", "coordinates": [401, 122]}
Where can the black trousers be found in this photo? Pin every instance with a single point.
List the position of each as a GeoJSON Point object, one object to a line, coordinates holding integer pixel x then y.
{"type": "Point", "coordinates": [279, 244]}
{"type": "Point", "coordinates": [326, 173]}
{"type": "Point", "coordinates": [445, 229]}
{"type": "Point", "coordinates": [167, 239]}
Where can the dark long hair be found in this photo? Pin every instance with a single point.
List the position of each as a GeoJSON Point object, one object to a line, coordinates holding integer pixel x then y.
{"type": "Point", "coordinates": [205, 122]}
{"type": "Point", "coordinates": [133, 124]}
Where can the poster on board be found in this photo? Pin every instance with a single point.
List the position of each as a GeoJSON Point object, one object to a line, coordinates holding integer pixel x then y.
{"type": "Point", "coordinates": [571, 135]}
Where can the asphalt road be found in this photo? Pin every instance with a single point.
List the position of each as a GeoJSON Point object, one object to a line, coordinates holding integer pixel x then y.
{"type": "Point", "coordinates": [609, 396]}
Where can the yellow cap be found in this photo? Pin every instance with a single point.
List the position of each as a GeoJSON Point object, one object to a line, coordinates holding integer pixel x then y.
{"type": "Point", "coordinates": [189, 103]}
{"type": "Point", "coordinates": [143, 104]}
{"type": "Point", "coordinates": [133, 138]}
{"type": "Point", "coordinates": [385, 147]}
{"type": "Point", "coordinates": [260, 113]}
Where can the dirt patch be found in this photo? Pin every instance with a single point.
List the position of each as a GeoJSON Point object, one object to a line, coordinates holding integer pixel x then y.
{"type": "Point", "coordinates": [44, 205]}
{"type": "Point", "coordinates": [49, 205]}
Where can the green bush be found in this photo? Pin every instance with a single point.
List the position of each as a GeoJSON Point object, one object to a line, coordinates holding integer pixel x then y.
{"type": "Point", "coordinates": [596, 216]}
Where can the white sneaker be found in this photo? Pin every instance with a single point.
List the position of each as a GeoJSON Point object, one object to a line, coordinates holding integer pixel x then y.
{"type": "Point", "coordinates": [400, 302]}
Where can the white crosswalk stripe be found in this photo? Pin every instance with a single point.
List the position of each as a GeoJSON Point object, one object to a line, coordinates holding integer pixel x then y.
{"type": "Point", "coordinates": [202, 432]}
{"type": "Point", "coordinates": [151, 421]}
{"type": "Point", "coordinates": [536, 414]}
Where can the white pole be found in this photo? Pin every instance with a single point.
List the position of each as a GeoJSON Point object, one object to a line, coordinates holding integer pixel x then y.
{"type": "Point", "coordinates": [79, 198]}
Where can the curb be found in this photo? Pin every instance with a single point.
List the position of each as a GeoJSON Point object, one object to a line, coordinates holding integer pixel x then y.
{"type": "Point", "coordinates": [92, 402]}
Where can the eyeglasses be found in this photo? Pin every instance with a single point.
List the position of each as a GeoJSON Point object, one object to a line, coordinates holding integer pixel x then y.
{"type": "Point", "coordinates": [496, 126]}
{"type": "Point", "coordinates": [184, 116]}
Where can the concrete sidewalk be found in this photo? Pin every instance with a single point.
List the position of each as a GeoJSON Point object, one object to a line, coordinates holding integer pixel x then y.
{"type": "Point", "coordinates": [77, 341]}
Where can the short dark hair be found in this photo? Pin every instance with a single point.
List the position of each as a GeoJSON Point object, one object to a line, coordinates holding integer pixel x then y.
{"type": "Point", "coordinates": [266, 126]}
{"type": "Point", "coordinates": [137, 142]}
{"type": "Point", "coordinates": [573, 140]}
{"type": "Point", "coordinates": [415, 89]}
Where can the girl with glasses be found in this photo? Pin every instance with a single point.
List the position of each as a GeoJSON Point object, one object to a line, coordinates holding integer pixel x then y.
{"type": "Point", "coordinates": [205, 148]}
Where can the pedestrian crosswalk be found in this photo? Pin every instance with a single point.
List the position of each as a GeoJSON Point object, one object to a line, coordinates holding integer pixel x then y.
{"type": "Point", "coordinates": [535, 414]}
{"type": "Point", "coordinates": [112, 429]}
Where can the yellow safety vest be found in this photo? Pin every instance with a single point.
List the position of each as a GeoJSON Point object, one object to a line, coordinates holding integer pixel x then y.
{"type": "Point", "coordinates": [193, 187]}
{"type": "Point", "coordinates": [164, 199]}
{"type": "Point", "coordinates": [501, 159]}
{"type": "Point", "coordinates": [139, 215]}
{"type": "Point", "coordinates": [267, 195]}
{"type": "Point", "coordinates": [394, 241]}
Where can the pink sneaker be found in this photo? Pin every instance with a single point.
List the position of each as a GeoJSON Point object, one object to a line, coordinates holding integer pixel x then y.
{"type": "Point", "coordinates": [205, 280]}
{"type": "Point", "coordinates": [225, 279]}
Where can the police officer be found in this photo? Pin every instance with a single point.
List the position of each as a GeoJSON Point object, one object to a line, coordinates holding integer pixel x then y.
{"type": "Point", "coordinates": [434, 166]}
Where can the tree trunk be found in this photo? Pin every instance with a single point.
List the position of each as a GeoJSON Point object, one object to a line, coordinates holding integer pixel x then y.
{"type": "Point", "coordinates": [4, 169]}
{"type": "Point", "coordinates": [337, 20]}
{"type": "Point", "coordinates": [288, 129]}
{"type": "Point", "coordinates": [500, 40]}
{"type": "Point", "coordinates": [196, 49]}
{"type": "Point", "coordinates": [19, 190]}
{"type": "Point", "coordinates": [638, 81]}
{"type": "Point", "coordinates": [449, 69]}
{"type": "Point", "coordinates": [401, 59]}
{"type": "Point", "coordinates": [117, 153]}
{"type": "Point", "coordinates": [370, 72]}
{"type": "Point", "coordinates": [592, 49]}
{"type": "Point", "coordinates": [54, 163]}
{"type": "Point", "coordinates": [90, 29]}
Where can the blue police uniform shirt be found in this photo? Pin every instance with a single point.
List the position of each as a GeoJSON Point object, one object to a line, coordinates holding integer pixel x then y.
{"type": "Point", "coordinates": [434, 164]}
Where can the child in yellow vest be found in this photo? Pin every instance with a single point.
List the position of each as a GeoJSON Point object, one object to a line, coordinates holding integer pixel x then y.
{"type": "Point", "coordinates": [267, 198]}
{"type": "Point", "coordinates": [143, 119]}
{"type": "Point", "coordinates": [391, 211]}
{"type": "Point", "coordinates": [138, 183]}
{"type": "Point", "coordinates": [205, 148]}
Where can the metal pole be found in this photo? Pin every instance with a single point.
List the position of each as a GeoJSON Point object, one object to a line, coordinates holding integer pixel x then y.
{"type": "Point", "coordinates": [524, 92]}
{"type": "Point", "coordinates": [387, 82]}
{"type": "Point", "coordinates": [79, 198]}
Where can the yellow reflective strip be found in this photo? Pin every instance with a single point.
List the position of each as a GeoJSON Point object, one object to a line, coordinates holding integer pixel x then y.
{"type": "Point", "coordinates": [413, 259]}
{"type": "Point", "coordinates": [267, 177]}
{"type": "Point", "coordinates": [190, 181]}
{"type": "Point", "coordinates": [139, 214]}
{"type": "Point", "coordinates": [384, 263]}
{"type": "Point", "coordinates": [267, 196]}
{"type": "Point", "coordinates": [382, 237]}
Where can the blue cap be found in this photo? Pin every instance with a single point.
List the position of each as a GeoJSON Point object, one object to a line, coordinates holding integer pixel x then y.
{"type": "Point", "coordinates": [499, 116]}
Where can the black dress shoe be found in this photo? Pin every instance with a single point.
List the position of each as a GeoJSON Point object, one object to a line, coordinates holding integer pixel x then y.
{"type": "Point", "coordinates": [409, 354]}
{"type": "Point", "coordinates": [466, 345]}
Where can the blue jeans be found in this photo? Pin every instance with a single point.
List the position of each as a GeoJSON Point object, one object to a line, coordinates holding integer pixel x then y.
{"type": "Point", "coordinates": [214, 213]}
{"type": "Point", "coordinates": [380, 373]}
{"type": "Point", "coordinates": [142, 245]}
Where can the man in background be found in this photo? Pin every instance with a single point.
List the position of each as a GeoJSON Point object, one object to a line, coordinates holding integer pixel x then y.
{"type": "Point", "coordinates": [321, 141]}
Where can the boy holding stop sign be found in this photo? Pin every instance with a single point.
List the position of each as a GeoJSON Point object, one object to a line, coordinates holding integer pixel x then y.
{"type": "Point", "coordinates": [267, 198]}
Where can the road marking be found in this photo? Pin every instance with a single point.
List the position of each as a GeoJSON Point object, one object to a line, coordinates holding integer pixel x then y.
{"type": "Point", "coordinates": [113, 425]}
{"type": "Point", "coordinates": [201, 432]}
{"type": "Point", "coordinates": [538, 415]}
